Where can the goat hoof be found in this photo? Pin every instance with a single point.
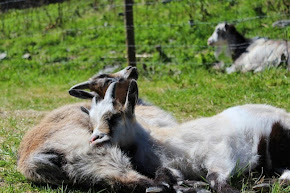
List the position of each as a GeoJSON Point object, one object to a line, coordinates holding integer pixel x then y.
{"type": "Point", "coordinates": [154, 189]}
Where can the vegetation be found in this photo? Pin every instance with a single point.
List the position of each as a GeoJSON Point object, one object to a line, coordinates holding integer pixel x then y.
{"type": "Point", "coordinates": [69, 42]}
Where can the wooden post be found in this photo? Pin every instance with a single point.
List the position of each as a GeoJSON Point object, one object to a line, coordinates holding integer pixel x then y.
{"type": "Point", "coordinates": [130, 37]}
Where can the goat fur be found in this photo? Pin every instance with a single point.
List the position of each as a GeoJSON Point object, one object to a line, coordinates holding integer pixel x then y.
{"type": "Point", "coordinates": [213, 147]}
{"type": "Point", "coordinates": [255, 54]}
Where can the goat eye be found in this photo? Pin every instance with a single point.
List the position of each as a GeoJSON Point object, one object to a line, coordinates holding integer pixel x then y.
{"type": "Point", "coordinates": [113, 119]}
{"type": "Point", "coordinates": [108, 81]}
{"type": "Point", "coordinates": [102, 76]}
{"type": "Point", "coordinates": [91, 129]}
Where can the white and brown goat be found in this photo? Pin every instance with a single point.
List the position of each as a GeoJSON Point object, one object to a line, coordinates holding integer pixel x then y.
{"type": "Point", "coordinates": [249, 54]}
{"type": "Point", "coordinates": [57, 151]}
{"type": "Point", "coordinates": [240, 138]}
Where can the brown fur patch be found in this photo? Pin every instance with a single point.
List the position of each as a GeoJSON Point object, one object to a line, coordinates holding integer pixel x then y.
{"type": "Point", "coordinates": [104, 128]}
{"type": "Point", "coordinates": [109, 119]}
{"type": "Point", "coordinates": [100, 83]}
{"type": "Point", "coordinates": [121, 89]}
{"type": "Point", "coordinates": [262, 152]}
{"type": "Point", "coordinates": [128, 177]}
{"type": "Point", "coordinates": [134, 181]}
{"type": "Point", "coordinates": [49, 125]}
{"type": "Point", "coordinates": [279, 146]}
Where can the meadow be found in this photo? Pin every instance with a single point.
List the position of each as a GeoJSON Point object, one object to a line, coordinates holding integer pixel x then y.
{"type": "Point", "coordinates": [69, 42]}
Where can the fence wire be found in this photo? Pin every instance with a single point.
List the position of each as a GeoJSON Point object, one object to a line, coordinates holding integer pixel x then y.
{"type": "Point", "coordinates": [150, 26]}
{"type": "Point", "coordinates": [180, 25]}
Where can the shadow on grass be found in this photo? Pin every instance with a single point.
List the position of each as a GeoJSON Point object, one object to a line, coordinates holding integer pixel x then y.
{"type": "Point", "coordinates": [69, 188]}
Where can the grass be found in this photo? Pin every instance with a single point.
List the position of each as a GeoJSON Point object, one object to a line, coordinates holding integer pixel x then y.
{"type": "Point", "coordinates": [70, 42]}
{"type": "Point", "coordinates": [205, 93]}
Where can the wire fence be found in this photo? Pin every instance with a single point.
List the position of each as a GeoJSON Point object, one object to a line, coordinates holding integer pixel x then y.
{"type": "Point", "coordinates": [170, 31]}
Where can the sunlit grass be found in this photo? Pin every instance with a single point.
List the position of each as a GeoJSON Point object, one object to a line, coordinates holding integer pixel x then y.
{"type": "Point", "coordinates": [63, 54]}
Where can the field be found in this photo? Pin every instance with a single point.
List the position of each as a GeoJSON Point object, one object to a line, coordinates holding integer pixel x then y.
{"type": "Point", "coordinates": [68, 43]}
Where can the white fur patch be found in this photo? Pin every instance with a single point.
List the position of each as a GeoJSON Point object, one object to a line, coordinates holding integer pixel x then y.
{"type": "Point", "coordinates": [285, 176]}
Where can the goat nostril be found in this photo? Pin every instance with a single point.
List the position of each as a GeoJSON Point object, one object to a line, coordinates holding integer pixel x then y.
{"type": "Point", "coordinates": [93, 139]}
{"type": "Point", "coordinates": [99, 136]}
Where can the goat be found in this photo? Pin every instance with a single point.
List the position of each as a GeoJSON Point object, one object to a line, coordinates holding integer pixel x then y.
{"type": "Point", "coordinates": [115, 124]}
{"type": "Point", "coordinates": [239, 138]}
{"type": "Point", "coordinates": [149, 115]}
{"type": "Point", "coordinates": [281, 23]}
{"type": "Point", "coordinates": [249, 54]}
{"type": "Point", "coordinates": [56, 151]}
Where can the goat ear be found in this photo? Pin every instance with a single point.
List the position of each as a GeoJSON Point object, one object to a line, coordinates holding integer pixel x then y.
{"type": "Point", "coordinates": [82, 85]}
{"type": "Point", "coordinates": [81, 94]}
{"type": "Point", "coordinates": [127, 73]}
{"type": "Point", "coordinates": [227, 26]}
{"type": "Point", "coordinates": [111, 92]}
{"type": "Point", "coordinates": [132, 97]}
{"type": "Point", "coordinates": [130, 72]}
{"type": "Point", "coordinates": [85, 110]}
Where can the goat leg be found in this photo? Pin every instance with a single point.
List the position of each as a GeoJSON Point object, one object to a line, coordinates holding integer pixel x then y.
{"type": "Point", "coordinates": [219, 186]}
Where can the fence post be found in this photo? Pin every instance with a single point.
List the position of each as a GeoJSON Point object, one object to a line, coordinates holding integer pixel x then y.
{"type": "Point", "coordinates": [130, 37]}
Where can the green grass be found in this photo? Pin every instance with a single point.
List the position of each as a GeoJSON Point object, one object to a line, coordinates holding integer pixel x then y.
{"type": "Point", "coordinates": [70, 46]}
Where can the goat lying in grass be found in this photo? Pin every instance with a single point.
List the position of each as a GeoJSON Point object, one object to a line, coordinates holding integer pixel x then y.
{"type": "Point", "coordinates": [242, 137]}
{"type": "Point", "coordinates": [57, 151]}
{"type": "Point", "coordinates": [150, 115]}
{"type": "Point", "coordinates": [249, 54]}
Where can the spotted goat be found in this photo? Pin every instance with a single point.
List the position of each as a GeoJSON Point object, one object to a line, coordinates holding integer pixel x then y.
{"type": "Point", "coordinates": [241, 138]}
